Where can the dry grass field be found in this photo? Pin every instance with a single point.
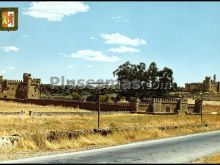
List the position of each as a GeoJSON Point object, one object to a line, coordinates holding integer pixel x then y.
{"type": "Point", "coordinates": [33, 129]}
{"type": "Point", "coordinates": [212, 159]}
{"type": "Point", "coordinates": [211, 108]}
{"type": "Point", "coordinates": [17, 107]}
{"type": "Point", "coordinates": [217, 103]}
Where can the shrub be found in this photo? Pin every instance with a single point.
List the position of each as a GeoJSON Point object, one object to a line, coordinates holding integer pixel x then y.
{"type": "Point", "coordinates": [103, 98]}
{"type": "Point", "coordinates": [76, 96]}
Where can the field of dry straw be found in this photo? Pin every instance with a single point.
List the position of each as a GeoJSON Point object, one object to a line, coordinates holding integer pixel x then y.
{"type": "Point", "coordinates": [33, 129]}
{"type": "Point", "coordinates": [212, 159]}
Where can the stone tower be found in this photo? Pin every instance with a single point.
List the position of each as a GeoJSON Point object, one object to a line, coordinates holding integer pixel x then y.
{"type": "Point", "coordinates": [207, 84]}
{"type": "Point", "coordinates": [27, 79]}
{"type": "Point", "coordinates": [1, 79]}
{"type": "Point", "coordinates": [214, 78]}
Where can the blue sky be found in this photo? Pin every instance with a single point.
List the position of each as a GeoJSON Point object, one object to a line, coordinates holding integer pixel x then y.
{"type": "Point", "coordinates": [91, 39]}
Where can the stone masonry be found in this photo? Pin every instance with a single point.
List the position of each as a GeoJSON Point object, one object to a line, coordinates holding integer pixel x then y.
{"type": "Point", "coordinates": [15, 89]}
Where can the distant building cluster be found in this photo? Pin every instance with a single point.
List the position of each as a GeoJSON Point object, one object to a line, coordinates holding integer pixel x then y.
{"type": "Point", "coordinates": [30, 88]}
{"type": "Point", "coordinates": [208, 85]}
{"type": "Point", "coordinates": [27, 89]}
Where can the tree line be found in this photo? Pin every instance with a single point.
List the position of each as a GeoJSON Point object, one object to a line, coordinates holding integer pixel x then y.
{"type": "Point", "coordinates": [135, 80]}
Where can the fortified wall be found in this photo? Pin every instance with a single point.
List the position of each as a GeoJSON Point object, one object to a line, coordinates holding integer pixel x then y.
{"type": "Point", "coordinates": [28, 91]}
{"type": "Point", "coordinates": [154, 106]}
{"type": "Point", "coordinates": [16, 89]}
{"type": "Point", "coordinates": [170, 105]}
{"type": "Point", "coordinates": [208, 85]}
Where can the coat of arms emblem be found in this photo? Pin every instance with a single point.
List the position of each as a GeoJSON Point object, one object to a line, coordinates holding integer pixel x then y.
{"type": "Point", "coordinates": [8, 19]}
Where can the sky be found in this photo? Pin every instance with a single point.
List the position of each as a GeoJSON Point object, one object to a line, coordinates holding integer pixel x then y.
{"type": "Point", "coordinates": [89, 40]}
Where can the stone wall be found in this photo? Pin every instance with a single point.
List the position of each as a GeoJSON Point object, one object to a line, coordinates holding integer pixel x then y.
{"type": "Point", "coordinates": [12, 113]}
{"type": "Point", "coordinates": [195, 108]}
{"type": "Point", "coordinates": [144, 107]}
{"type": "Point", "coordinates": [156, 105]}
{"type": "Point", "coordinates": [189, 87]}
{"type": "Point", "coordinates": [190, 108]}
{"type": "Point", "coordinates": [169, 105]}
{"type": "Point", "coordinates": [93, 106]}
{"type": "Point", "coordinates": [198, 106]}
{"type": "Point", "coordinates": [208, 85]}
{"type": "Point", "coordinates": [26, 89]}
{"type": "Point", "coordinates": [73, 113]}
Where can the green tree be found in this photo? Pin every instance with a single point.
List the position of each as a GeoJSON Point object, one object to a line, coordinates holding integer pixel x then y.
{"type": "Point", "coordinates": [153, 81]}
{"type": "Point", "coordinates": [130, 72]}
{"type": "Point", "coordinates": [76, 96]}
{"type": "Point", "coordinates": [153, 73]}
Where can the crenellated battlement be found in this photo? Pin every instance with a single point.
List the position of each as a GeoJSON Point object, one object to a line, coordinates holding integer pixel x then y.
{"type": "Point", "coordinates": [169, 105]}
{"type": "Point", "coordinates": [207, 85]}
{"type": "Point", "coordinates": [36, 80]}
{"type": "Point", "coordinates": [13, 81]}
{"type": "Point", "coordinates": [169, 100]}
{"type": "Point", "coordinates": [18, 89]}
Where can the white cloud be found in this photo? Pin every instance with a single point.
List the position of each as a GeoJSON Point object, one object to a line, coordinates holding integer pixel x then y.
{"type": "Point", "coordinates": [55, 11]}
{"type": "Point", "coordinates": [124, 49]}
{"type": "Point", "coordinates": [10, 49]}
{"type": "Point", "coordinates": [63, 55]}
{"type": "Point", "coordinates": [70, 66]}
{"type": "Point", "coordinates": [119, 39]}
{"type": "Point", "coordinates": [11, 68]}
{"type": "Point", "coordinates": [89, 66]}
{"type": "Point", "coordinates": [6, 70]}
{"type": "Point", "coordinates": [119, 19]}
{"type": "Point", "coordinates": [2, 72]}
{"type": "Point", "coordinates": [91, 55]}
{"type": "Point", "coordinates": [24, 35]}
{"type": "Point", "coordinates": [92, 38]}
